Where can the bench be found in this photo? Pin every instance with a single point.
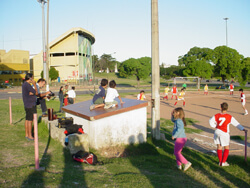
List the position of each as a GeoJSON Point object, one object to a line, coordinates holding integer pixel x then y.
{"type": "Point", "coordinates": [122, 125]}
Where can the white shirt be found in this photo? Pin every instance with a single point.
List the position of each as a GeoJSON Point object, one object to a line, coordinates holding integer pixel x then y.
{"type": "Point", "coordinates": [71, 94]}
{"type": "Point", "coordinates": [111, 95]}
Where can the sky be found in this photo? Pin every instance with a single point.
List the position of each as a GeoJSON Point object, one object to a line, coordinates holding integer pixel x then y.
{"type": "Point", "coordinates": [122, 28]}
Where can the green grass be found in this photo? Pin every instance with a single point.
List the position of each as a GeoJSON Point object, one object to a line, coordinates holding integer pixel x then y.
{"type": "Point", "coordinates": [146, 165]}
{"type": "Point", "coordinates": [126, 82]}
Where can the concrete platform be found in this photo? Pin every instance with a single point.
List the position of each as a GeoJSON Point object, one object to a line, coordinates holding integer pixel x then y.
{"type": "Point", "coordinates": [125, 124]}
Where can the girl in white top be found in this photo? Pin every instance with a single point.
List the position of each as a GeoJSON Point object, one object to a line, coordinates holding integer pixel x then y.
{"type": "Point", "coordinates": [111, 95]}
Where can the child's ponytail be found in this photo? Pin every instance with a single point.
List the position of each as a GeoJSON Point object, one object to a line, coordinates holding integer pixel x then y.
{"type": "Point", "coordinates": [181, 115]}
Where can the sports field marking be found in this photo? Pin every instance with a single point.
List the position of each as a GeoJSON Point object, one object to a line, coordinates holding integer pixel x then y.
{"type": "Point", "coordinates": [213, 138]}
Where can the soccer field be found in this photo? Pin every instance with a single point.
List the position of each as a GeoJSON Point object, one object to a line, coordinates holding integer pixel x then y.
{"type": "Point", "coordinates": [202, 107]}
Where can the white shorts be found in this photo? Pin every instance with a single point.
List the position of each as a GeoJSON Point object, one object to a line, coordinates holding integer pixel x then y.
{"type": "Point", "coordinates": [166, 93]}
{"type": "Point", "coordinates": [243, 103]}
{"type": "Point", "coordinates": [180, 99]}
{"type": "Point", "coordinates": [231, 90]}
{"type": "Point", "coordinates": [174, 93]}
{"type": "Point", "coordinates": [221, 137]}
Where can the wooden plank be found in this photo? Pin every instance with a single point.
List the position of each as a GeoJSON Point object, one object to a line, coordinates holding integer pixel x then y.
{"type": "Point", "coordinates": [81, 109]}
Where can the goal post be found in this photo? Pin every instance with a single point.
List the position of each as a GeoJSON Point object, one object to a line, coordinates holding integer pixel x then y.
{"type": "Point", "coordinates": [185, 79]}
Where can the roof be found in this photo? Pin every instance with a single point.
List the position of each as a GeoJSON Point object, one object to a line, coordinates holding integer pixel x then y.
{"type": "Point", "coordinates": [79, 30]}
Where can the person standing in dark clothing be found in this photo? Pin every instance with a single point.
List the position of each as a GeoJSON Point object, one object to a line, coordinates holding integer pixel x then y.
{"type": "Point", "coordinates": [61, 97]}
{"type": "Point", "coordinates": [29, 100]}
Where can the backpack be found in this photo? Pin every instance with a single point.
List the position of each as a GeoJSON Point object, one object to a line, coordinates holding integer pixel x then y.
{"type": "Point", "coordinates": [73, 128]}
{"type": "Point", "coordinates": [85, 157]}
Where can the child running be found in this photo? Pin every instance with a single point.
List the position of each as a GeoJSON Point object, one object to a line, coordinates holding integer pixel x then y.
{"type": "Point", "coordinates": [206, 90]}
{"type": "Point", "coordinates": [231, 89]}
{"type": "Point", "coordinates": [141, 96]}
{"type": "Point", "coordinates": [174, 92]}
{"type": "Point", "coordinates": [166, 90]}
{"type": "Point", "coordinates": [111, 95]}
{"type": "Point", "coordinates": [178, 117]}
{"type": "Point", "coordinates": [243, 101]}
{"type": "Point", "coordinates": [221, 122]}
{"type": "Point", "coordinates": [98, 99]}
{"type": "Point", "coordinates": [181, 97]}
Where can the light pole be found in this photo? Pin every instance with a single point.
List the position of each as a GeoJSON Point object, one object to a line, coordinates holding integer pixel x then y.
{"type": "Point", "coordinates": [155, 101]}
{"type": "Point", "coordinates": [226, 29]}
{"type": "Point", "coordinates": [43, 36]}
{"type": "Point", "coordinates": [47, 49]}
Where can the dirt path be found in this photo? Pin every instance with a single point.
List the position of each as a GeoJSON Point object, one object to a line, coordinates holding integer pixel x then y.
{"type": "Point", "coordinates": [201, 108]}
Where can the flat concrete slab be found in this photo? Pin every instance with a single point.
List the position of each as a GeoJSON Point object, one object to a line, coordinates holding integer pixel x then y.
{"type": "Point", "coordinates": [81, 109]}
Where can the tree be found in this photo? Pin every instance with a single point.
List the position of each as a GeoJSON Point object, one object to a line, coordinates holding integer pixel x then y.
{"type": "Point", "coordinates": [53, 73]}
{"type": "Point", "coordinates": [141, 68]}
{"type": "Point", "coordinates": [107, 61]}
{"type": "Point", "coordinates": [96, 63]}
{"type": "Point", "coordinates": [171, 71]}
{"type": "Point", "coordinates": [197, 62]}
{"type": "Point", "coordinates": [245, 71]}
{"type": "Point", "coordinates": [227, 62]}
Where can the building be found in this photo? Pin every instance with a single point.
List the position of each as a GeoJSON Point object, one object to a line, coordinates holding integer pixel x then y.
{"type": "Point", "coordinates": [14, 65]}
{"type": "Point", "coordinates": [70, 54]}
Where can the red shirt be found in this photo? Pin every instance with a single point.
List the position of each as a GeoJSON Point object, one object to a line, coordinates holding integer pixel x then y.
{"type": "Point", "coordinates": [223, 121]}
{"type": "Point", "coordinates": [65, 101]}
{"type": "Point", "coordinates": [231, 86]}
{"type": "Point", "coordinates": [174, 89]}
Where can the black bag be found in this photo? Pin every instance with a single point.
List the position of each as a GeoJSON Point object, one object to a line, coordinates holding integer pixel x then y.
{"type": "Point", "coordinates": [85, 157]}
{"type": "Point", "coordinates": [73, 128]}
{"type": "Point", "coordinates": [64, 122]}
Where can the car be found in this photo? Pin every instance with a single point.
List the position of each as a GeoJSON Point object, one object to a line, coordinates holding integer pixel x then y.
{"type": "Point", "coordinates": [218, 80]}
{"type": "Point", "coordinates": [220, 87]}
{"type": "Point", "coordinates": [6, 85]}
{"type": "Point", "coordinates": [207, 81]}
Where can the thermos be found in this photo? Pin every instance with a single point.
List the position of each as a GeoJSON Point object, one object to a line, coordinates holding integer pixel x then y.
{"type": "Point", "coordinates": [50, 114]}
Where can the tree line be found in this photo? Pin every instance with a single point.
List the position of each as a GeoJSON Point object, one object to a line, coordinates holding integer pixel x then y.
{"type": "Point", "coordinates": [222, 61]}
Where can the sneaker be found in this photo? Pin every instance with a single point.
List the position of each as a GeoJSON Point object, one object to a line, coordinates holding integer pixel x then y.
{"type": "Point", "coordinates": [224, 164]}
{"type": "Point", "coordinates": [186, 166]}
{"type": "Point", "coordinates": [246, 113]}
{"type": "Point", "coordinates": [92, 107]}
{"type": "Point", "coordinates": [179, 167]}
{"type": "Point", "coordinates": [113, 106]}
{"type": "Point", "coordinates": [108, 106]}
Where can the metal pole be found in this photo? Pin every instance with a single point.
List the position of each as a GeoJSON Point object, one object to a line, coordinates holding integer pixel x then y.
{"type": "Point", "coordinates": [226, 30]}
{"type": "Point", "coordinates": [36, 142]}
{"type": "Point", "coordinates": [155, 106]}
{"type": "Point", "coordinates": [47, 49]}
{"type": "Point", "coordinates": [10, 108]}
{"type": "Point", "coordinates": [246, 145]}
{"type": "Point", "coordinates": [44, 50]}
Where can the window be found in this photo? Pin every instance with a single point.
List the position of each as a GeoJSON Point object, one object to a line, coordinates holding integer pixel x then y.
{"type": "Point", "coordinates": [70, 53]}
{"type": "Point", "coordinates": [57, 54]}
{"type": "Point", "coordinates": [17, 72]}
{"type": "Point", "coordinates": [5, 72]}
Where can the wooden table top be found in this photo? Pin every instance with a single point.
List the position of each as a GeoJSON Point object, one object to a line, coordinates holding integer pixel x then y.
{"type": "Point", "coordinates": [81, 109]}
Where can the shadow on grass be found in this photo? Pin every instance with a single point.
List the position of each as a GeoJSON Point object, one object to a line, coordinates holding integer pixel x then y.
{"type": "Point", "coordinates": [73, 173]}
{"type": "Point", "coordinates": [36, 179]}
{"type": "Point", "coordinates": [155, 165]}
{"type": "Point", "coordinates": [156, 161]}
{"type": "Point", "coordinates": [18, 121]}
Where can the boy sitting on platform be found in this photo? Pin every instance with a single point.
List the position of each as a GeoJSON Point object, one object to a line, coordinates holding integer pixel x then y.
{"type": "Point", "coordinates": [111, 95]}
{"type": "Point", "coordinates": [98, 99]}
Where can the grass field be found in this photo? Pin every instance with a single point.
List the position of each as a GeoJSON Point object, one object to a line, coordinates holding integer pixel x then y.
{"type": "Point", "coordinates": [146, 165]}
